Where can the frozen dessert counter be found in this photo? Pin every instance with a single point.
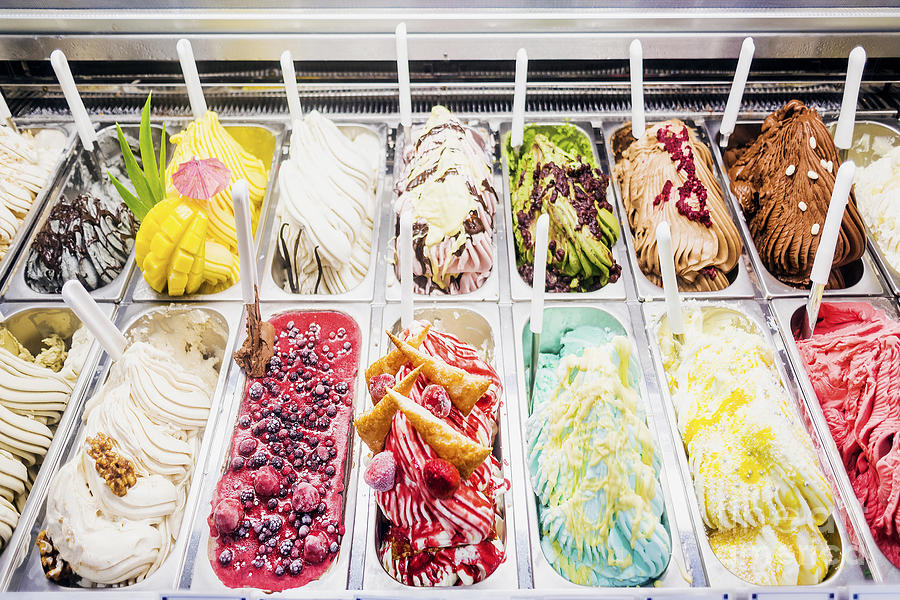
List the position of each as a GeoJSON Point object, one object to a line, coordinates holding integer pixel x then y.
{"type": "Point", "coordinates": [319, 448]}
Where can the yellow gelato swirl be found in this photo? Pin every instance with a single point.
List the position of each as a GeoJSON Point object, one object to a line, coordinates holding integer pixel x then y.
{"type": "Point", "coordinates": [186, 246]}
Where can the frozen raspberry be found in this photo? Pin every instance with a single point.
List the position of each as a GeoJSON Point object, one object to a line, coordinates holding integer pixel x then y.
{"type": "Point", "coordinates": [381, 471]}
{"type": "Point", "coordinates": [378, 386]}
{"type": "Point", "coordinates": [267, 482]}
{"type": "Point", "coordinates": [436, 399]}
{"type": "Point", "coordinates": [305, 497]}
{"type": "Point", "coordinates": [315, 548]}
{"type": "Point", "coordinates": [227, 515]}
{"type": "Point", "coordinates": [441, 478]}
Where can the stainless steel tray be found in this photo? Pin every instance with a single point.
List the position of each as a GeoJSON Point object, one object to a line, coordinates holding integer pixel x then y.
{"type": "Point", "coordinates": [678, 573]}
{"type": "Point", "coordinates": [271, 278]}
{"type": "Point", "coordinates": [70, 180]}
{"type": "Point", "coordinates": [29, 575]}
{"type": "Point", "coordinates": [869, 281]}
{"type": "Point", "coordinates": [519, 288]}
{"type": "Point", "coordinates": [784, 308]}
{"type": "Point", "coordinates": [23, 232]}
{"type": "Point", "coordinates": [198, 573]}
{"type": "Point", "coordinates": [32, 323]}
{"type": "Point", "coordinates": [889, 127]}
{"type": "Point", "coordinates": [742, 286]}
{"type": "Point", "coordinates": [848, 568]}
{"type": "Point", "coordinates": [140, 290]}
{"type": "Point", "coordinates": [490, 289]}
{"type": "Point", "coordinates": [478, 324]}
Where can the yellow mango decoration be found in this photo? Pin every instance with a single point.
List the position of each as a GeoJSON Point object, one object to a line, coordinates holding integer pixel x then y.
{"type": "Point", "coordinates": [189, 246]}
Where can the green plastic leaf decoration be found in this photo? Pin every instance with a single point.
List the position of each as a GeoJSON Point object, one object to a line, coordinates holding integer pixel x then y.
{"type": "Point", "coordinates": [148, 156]}
{"type": "Point", "coordinates": [148, 177]}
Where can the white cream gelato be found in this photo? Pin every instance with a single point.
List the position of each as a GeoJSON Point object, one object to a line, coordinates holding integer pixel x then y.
{"type": "Point", "coordinates": [327, 204]}
{"type": "Point", "coordinates": [878, 199]}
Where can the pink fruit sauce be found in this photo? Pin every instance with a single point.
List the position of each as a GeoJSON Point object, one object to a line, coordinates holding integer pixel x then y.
{"type": "Point", "coordinates": [277, 514]}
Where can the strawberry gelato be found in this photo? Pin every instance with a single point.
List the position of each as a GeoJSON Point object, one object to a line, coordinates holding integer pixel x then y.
{"type": "Point", "coordinates": [853, 362]}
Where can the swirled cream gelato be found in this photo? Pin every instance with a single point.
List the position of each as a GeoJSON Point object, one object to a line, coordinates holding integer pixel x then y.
{"type": "Point", "coordinates": [34, 392]}
{"type": "Point", "coordinates": [327, 206]}
{"type": "Point", "coordinates": [114, 510]}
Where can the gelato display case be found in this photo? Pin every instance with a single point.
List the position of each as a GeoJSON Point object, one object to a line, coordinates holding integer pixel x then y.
{"type": "Point", "coordinates": [376, 418]}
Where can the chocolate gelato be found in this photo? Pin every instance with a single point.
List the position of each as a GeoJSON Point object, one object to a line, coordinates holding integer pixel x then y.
{"type": "Point", "coordinates": [667, 175]}
{"type": "Point", "coordinates": [783, 181]}
{"type": "Point", "coordinates": [84, 238]}
{"type": "Point", "coordinates": [259, 346]}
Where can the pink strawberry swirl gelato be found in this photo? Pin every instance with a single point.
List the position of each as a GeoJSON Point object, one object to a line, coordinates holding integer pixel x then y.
{"type": "Point", "coordinates": [853, 362]}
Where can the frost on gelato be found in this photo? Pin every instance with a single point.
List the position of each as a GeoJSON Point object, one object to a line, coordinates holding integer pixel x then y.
{"type": "Point", "coordinates": [593, 464]}
{"type": "Point", "coordinates": [760, 490]}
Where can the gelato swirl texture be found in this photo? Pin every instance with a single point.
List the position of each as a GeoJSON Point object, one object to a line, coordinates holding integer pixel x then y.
{"type": "Point", "coordinates": [667, 175]}
{"type": "Point", "coordinates": [445, 179]}
{"type": "Point", "coordinates": [761, 492]}
{"type": "Point", "coordinates": [783, 182]}
{"type": "Point", "coordinates": [593, 464]}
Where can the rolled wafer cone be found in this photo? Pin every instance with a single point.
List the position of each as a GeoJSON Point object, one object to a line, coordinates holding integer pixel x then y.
{"type": "Point", "coordinates": [463, 388]}
{"type": "Point", "coordinates": [393, 360]}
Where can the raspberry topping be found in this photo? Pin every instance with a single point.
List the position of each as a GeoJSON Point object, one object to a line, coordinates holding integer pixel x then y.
{"type": "Point", "coordinates": [378, 386]}
{"type": "Point", "coordinates": [441, 478]}
{"type": "Point", "coordinates": [381, 472]}
{"type": "Point", "coordinates": [437, 400]}
{"type": "Point", "coordinates": [677, 144]}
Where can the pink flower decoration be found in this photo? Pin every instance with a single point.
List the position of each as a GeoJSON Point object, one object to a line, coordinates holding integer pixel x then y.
{"type": "Point", "coordinates": [201, 179]}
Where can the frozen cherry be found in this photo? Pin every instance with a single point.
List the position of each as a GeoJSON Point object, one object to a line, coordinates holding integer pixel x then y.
{"type": "Point", "coordinates": [436, 399]}
{"type": "Point", "coordinates": [378, 386]}
{"type": "Point", "coordinates": [305, 497]}
{"type": "Point", "coordinates": [267, 482]}
{"type": "Point", "coordinates": [227, 515]}
{"type": "Point", "coordinates": [381, 471]}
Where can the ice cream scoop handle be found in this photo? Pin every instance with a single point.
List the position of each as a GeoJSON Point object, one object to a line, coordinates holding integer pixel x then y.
{"type": "Point", "coordinates": [240, 195]}
{"type": "Point", "coordinates": [843, 133]}
{"type": "Point", "coordinates": [636, 65]}
{"type": "Point", "coordinates": [290, 86]}
{"type": "Point", "coordinates": [108, 335]}
{"type": "Point", "coordinates": [191, 78]}
{"type": "Point", "coordinates": [73, 98]}
{"type": "Point", "coordinates": [405, 251]}
{"type": "Point", "coordinates": [4, 109]}
{"type": "Point", "coordinates": [538, 281]}
{"type": "Point", "coordinates": [403, 76]}
{"type": "Point", "coordinates": [670, 283]}
{"type": "Point", "coordinates": [737, 91]}
{"type": "Point", "coordinates": [839, 196]}
{"type": "Point", "coordinates": [518, 117]}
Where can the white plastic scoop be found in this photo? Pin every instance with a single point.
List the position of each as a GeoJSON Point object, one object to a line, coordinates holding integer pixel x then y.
{"type": "Point", "coordinates": [737, 91]}
{"type": "Point", "coordinates": [290, 86]}
{"type": "Point", "coordinates": [843, 133]}
{"type": "Point", "coordinates": [191, 78]}
{"type": "Point", "coordinates": [822, 263]}
{"type": "Point", "coordinates": [108, 335]}
{"type": "Point", "coordinates": [240, 196]}
{"type": "Point", "coordinates": [403, 77]}
{"type": "Point", "coordinates": [670, 282]}
{"type": "Point", "coordinates": [538, 283]}
{"type": "Point", "coordinates": [636, 67]}
{"type": "Point", "coordinates": [405, 250]}
{"type": "Point", "coordinates": [517, 131]}
{"type": "Point", "coordinates": [6, 115]}
{"type": "Point", "coordinates": [73, 99]}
